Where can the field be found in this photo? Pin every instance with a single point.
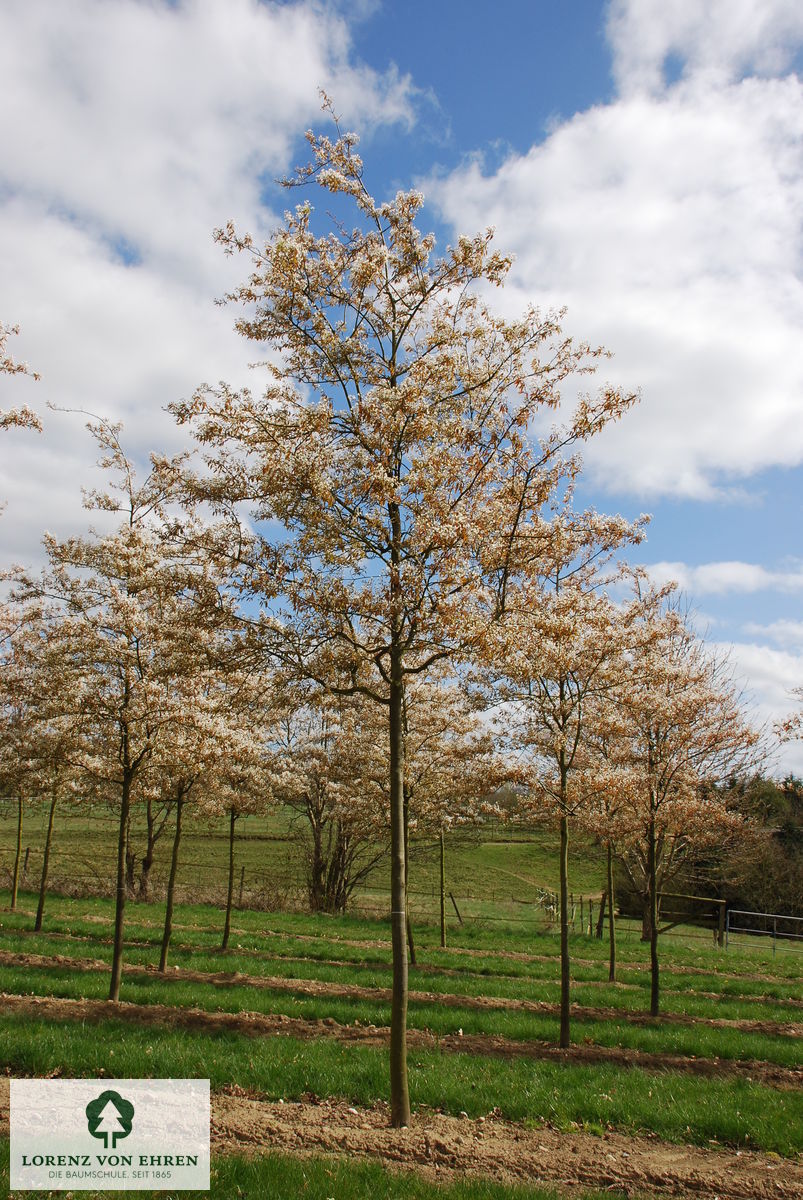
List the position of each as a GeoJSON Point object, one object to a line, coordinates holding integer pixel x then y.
{"type": "Point", "coordinates": [290, 1026]}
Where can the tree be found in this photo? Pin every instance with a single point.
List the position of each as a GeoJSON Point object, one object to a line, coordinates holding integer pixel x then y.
{"type": "Point", "coordinates": [392, 448]}
{"type": "Point", "coordinates": [452, 768]}
{"type": "Point", "coordinates": [683, 733]}
{"type": "Point", "coordinates": [22, 418]}
{"type": "Point", "coordinates": [557, 647]}
{"type": "Point", "coordinates": [129, 627]}
{"type": "Point", "coordinates": [327, 776]}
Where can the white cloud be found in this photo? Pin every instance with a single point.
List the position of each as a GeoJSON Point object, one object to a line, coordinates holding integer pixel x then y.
{"type": "Point", "coordinates": [718, 38]}
{"type": "Point", "coordinates": [670, 222]}
{"type": "Point", "coordinates": [772, 675]}
{"type": "Point", "coordinates": [139, 126]}
{"type": "Point", "coordinates": [783, 633]}
{"type": "Point", "coordinates": [719, 578]}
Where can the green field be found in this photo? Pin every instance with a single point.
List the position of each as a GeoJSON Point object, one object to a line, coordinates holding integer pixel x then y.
{"type": "Point", "coordinates": [495, 981]}
{"type": "Point", "coordinates": [721, 1068]}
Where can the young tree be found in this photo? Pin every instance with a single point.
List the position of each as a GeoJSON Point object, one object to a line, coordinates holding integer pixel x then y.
{"type": "Point", "coordinates": [452, 768]}
{"type": "Point", "coordinates": [325, 759]}
{"type": "Point", "coordinates": [392, 447]}
{"type": "Point", "coordinates": [682, 732]}
{"type": "Point", "coordinates": [557, 646]}
{"type": "Point", "coordinates": [129, 625]}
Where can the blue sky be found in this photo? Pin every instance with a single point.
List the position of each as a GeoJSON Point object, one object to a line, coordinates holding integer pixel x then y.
{"type": "Point", "coordinates": [643, 160]}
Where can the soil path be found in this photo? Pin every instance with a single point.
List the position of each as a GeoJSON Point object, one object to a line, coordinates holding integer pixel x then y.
{"type": "Point", "coordinates": [444, 1148]}
{"type": "Point", "coordinates": [253, 1024]}
{"type": "Point", "coordinates": [319, 987]}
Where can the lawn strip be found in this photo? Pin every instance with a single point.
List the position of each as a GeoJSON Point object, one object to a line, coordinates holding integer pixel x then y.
{"type": "Point", "coordinates": [697, 1041]}
{"type": "Point", "coordinates": [318, 987]}
{"type": "Point", "coordinates": [258, 1024]}
{"type": "Point", "coordinates": [569, 1097]}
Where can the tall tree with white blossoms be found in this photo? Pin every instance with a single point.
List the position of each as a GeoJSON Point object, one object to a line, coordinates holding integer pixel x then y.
{"type": "Point", "coordinates": [393, 447]}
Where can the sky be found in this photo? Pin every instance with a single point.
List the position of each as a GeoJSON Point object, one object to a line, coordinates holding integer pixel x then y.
{"type": "Point", "coordinates": [641, 159]}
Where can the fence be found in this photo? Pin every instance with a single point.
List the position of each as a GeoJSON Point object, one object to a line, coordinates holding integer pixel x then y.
{"type": "Point", "coordinates": [786, 932]}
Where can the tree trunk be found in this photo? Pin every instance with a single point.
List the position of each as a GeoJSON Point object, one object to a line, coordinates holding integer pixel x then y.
{"type": "Point", "coordinates": [18, 855]}
{"type": "Point", "coordinates": [399, 1093]}
{"type": "Point", "coordinates": [443, 893]}
{"type": "Point", "coordinates": [611, 921]}
{"type": "Point", "coordinates": [117, 952]}
{"type": "Point", "coordinates": [653, 884]}
{"type": "Point", "coordinates": [171, 887]}
{"type": "Point", "coordinates": [143, 886]}
{"type": "Point", "coordinates": [565, 999]}
{"type": "Point", "coordinates": [408, 926]}
{"type": "Point", "coordinates": [601, 918]}
{"type": "Point", "coordinates": [646, 923]}
{"type": "Point", "coordinates": [230, 892]}
{"type": "Point", "coordinates": [40, 910]}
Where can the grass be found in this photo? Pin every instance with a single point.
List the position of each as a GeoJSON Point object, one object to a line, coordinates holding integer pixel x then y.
{"type": "Point", "coordinates": [677, 1107]}
{"type": "Point", "coordinates": [700, 1041]}
{"type": "Point", "coordinates": [512, 869]}
{"type": "Point", "coordinates": [282, 1177]}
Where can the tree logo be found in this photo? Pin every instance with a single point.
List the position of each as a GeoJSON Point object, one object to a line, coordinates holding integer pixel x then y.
{"type": "Point", "coordinates": [110, 1116]}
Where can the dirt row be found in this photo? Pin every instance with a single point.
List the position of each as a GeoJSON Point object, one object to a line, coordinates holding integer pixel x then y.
{"type": "Point", "coordinates": [443, 1149]}
{"type": "Point", "coordinates": [317, 987]}
{"type": "Point", "coordinates": [253, 1024]}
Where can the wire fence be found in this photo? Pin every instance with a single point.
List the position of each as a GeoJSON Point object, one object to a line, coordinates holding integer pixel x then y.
{"type": "Point", "coordinates": [268, 878]}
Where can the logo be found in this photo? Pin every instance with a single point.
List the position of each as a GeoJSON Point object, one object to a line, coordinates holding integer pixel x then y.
{"type": "Point", "coordinates": [75, 1135]}
{"type": "Point", "coordinates": [110, 1117]}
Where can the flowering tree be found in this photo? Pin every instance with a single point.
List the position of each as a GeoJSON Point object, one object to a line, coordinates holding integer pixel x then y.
{"type": "Point", "coordinates": [128, 626]}
{"type": "Point", "coordinates": [23, 418]}
{"type": "Point", "coordinates": [325, 759]}
{"type": "Point", "coordinates": [41, 703]}
{"type": "Point", "coordinates": [392, 447]}
{"type": "Point", "coordinates": [682, 731]}
{"type": "Point", "coordinates": [558, 644]}
{"type": "Point", "coordinates": [452, 768]}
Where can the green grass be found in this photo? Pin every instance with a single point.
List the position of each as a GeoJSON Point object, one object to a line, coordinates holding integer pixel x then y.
{"type": "Point", "coordinates": [697, 1040]}
{"type": "Point", "coordinates": [677, 1107]}
{"type": "Point", "coordinates": [283, 1177]}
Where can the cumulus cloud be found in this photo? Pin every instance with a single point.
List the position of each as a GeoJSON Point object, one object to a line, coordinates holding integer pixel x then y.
{"type": "Point", "coordinates": [772, 674]}
{"type": "Point", "coordinates": [720, 38]}
{"type": "Point", "coordinates": [670, 222]}
{"type": "Point", "coordinates": [139, 127]}
{"type": "Point", "coordinates": [783, 633]}
{"type": "Point", "coordinates": [722, 578]}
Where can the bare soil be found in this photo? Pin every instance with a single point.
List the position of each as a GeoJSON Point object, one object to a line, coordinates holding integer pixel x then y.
{"type": "Point", "coordinates": [317, 987]}
{"type": "Point", "coordinates": [444, 1148]}
{"type": "Point", "coordinates": [253, 1024]}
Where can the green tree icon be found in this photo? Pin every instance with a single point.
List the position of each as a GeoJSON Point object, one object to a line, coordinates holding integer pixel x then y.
{"type": "Point", "coordinates": [110, 1116]}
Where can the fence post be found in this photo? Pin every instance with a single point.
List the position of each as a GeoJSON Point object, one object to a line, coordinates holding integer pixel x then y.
{"type": "Point", "coordinates": [774, 934]}
{"type": "Point", "coordinates": [590, 917]}
{"type": "Point", "coordinates": [727, 927]}
{"type": "Point", "coordinates": [721, 925]}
